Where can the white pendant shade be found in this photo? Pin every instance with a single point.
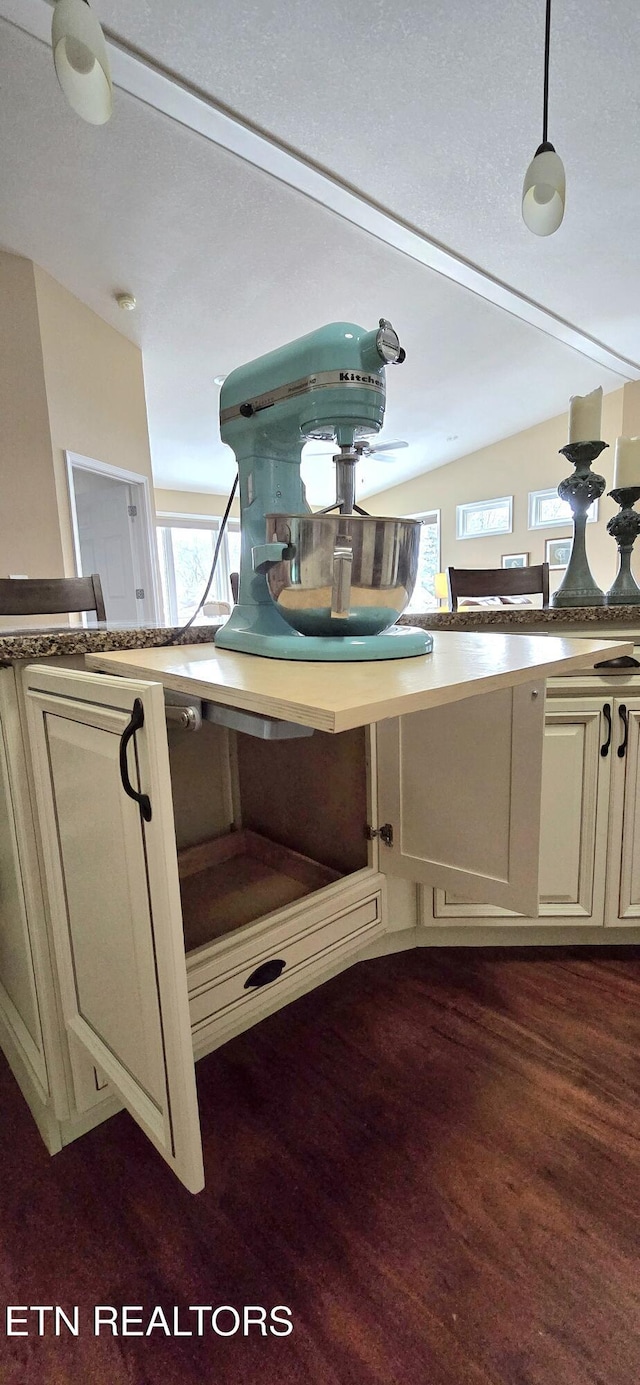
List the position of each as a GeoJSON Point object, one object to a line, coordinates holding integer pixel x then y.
{"type": "Point", "coordinates": [80, 57]}
{"type": "Point", "coordinates": [543, 193]}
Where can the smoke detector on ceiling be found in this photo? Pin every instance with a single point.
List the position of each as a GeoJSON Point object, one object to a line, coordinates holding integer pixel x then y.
{"type": "Point", "coordinates": [126, 301]}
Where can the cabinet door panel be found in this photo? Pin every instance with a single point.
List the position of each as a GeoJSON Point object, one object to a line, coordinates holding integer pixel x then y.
{"type": "Point", "coordinates": [623, 886]}
{"type": "Point", "coordinates": [573, 771]}
{"type": "Point", "coordinates": [460, 786]}
{"type": "Point", "coordinates": [115, 900]}
{"type": "Point", "coordinates": [575, 779]}
{"type": "Point", "coordinates": [18, 993]}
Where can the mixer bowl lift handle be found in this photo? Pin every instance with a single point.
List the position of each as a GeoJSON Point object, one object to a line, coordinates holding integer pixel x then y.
{"type": "Point", "coordinates": [265, 555]}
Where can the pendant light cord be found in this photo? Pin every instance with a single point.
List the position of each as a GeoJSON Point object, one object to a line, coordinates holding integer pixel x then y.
{"type": "Point", "coordinates": [545, 98]}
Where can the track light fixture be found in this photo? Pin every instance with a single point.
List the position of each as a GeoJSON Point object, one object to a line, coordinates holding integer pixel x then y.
{"type": "Point", "coordinates": [543, 193]}
{"type": "Point", "coordinates": [81, 62]}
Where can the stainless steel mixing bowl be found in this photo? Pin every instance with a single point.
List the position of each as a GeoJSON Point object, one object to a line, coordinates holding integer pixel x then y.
{"type": "Point", "coordinates": [343, 574]}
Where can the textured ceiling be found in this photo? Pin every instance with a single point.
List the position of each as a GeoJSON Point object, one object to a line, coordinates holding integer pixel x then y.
{"type": "Point", "coordinates": [227, 263]}
{"type": "Point", "coordinates": [434, 109]}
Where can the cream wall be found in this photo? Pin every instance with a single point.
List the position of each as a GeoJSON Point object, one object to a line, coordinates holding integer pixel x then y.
{"type": "Point", "coordinates": [193, 503]}
{"type": "Point", "coordinates": [631, 410]}
{"type": "Point", "coordinates": [30, 533]}
{"type": "Point", "coordinates": [95, 393]}
{"type": "Point", "coordinates": [528, 461]}
{"type": "Point", "coordinates": [67, 381]}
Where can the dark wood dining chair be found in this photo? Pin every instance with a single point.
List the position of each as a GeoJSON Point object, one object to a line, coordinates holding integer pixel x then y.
{"type": "Point", "coordinates": [45, 596]}
{"type": "Point", "coordinates": [497, 581]}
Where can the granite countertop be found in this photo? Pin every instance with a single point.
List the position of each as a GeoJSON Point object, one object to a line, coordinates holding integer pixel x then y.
{"type": "Point", "coordinates": [49, 642]}
{"type": "Point", "coordinates": [45, 643]}
{"type": "Point", "coordinates": [523, 618]}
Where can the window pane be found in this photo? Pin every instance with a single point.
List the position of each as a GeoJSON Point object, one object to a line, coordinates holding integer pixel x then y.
{"type": "Point", "coordinates": [553, 510]}
{"type": "Point", "coordinates": [186, 554]}
{"type": "Point", "coordinates": [424, 594]}
{"type": "Point", "coordinates": [192, 553]}
{"type": "Point", "coordinates": [233, 543]}
{"type": "Point", "coordinates": [164, 541]}
{"type": "Point", "coordinates": [546, 509]}
{"type": "Point", "coordinates": [484, 517]}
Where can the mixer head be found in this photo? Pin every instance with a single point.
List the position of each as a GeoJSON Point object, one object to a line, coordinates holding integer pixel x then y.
{"type": "Point", "coordinates": [329, 384]}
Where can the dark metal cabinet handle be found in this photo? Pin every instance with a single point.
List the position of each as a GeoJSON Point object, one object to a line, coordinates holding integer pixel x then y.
{"type": "Point", "coordinates": [135, 723]}
{"type": "Point", "coordinates": [624, 717]}
{"type": "Point", "coordinates": [624, 661]}
{"type": "Point", "coordinates": [268, 971]}
{"type": "Point", "coordinates": [604, 749]}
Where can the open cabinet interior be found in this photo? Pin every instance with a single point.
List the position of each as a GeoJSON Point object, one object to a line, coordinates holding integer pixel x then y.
{"type": "Point", "coordinates": [261, 824]}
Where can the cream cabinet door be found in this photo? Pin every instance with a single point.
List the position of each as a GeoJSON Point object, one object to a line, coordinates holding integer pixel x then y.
{"type": "Point", "coordinates": [573, 823]}
{"type": "Point", "coordinates": [459, 796]}
{"type": "Point", "coordinates": [623, 881]}
{"type": "Point", "coordinates": [113, 887]}
{"type": "Point", "coordinates": [19, 913]}
{"type": "Point", "coordinates": [575, 797]}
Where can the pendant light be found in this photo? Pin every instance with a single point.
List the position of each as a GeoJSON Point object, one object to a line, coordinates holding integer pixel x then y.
{"type": "Point", "coordinates": [81, 62]}
{"type": "Point", "coordinates": [543, 193]}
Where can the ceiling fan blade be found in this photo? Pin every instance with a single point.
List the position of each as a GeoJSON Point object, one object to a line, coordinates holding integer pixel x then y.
{"type": "Point", "coordinates": [367, 450]}
{"type": "Point", "coordinates": [387, 447]}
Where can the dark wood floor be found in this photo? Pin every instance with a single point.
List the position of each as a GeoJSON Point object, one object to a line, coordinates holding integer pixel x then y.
{"type": "Point", "coordinates": [433, 1161]}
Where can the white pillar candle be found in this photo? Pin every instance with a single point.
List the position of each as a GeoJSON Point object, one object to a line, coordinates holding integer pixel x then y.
{"type": "Point", "coordinates": [585, 416]}
{"type": "Point", "coordinates": [626, 466]}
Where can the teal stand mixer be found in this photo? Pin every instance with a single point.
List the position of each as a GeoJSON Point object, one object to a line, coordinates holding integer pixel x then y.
{"type": "Point", "coordinates": [327, 585]}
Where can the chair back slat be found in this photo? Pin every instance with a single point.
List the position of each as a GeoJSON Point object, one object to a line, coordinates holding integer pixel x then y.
{"type": "Point", "coordinates": [45, 596]}
{"type": "Point", "coordinates": [498, 581]}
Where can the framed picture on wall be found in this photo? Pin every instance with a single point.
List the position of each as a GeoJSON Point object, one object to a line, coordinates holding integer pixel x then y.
{"type": "Point", "coordinates": [515, 559]}
{"type": "Point", "coordinates": [558, 552]}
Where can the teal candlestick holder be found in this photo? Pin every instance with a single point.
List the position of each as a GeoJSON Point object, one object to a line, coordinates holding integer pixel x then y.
{"type": "Point", "coordinates": [624, 528]}
{"type": "Point", "coordinates": [578, 587]}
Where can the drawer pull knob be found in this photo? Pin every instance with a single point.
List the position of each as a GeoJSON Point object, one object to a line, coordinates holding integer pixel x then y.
{"type": "Point", "coordinates": [266, 972]}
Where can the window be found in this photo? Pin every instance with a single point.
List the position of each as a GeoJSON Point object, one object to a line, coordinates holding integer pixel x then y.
{"type": "Point", "coordinates": [546, 508]}
{"type": "Point", "coordinates": [186, 545]}
{"type": "Point", "coordinates": [424, 594]}
{"type": "Point", "coordinates": [483, 517]}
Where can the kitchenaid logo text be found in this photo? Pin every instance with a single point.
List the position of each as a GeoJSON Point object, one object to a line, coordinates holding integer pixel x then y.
{"type": "Point", "coordinates": [132, 1320]}
{"type": "Point", "coordinates": [351, 377]}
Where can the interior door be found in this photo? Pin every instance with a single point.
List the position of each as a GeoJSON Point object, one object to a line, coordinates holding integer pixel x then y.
{"type": "Point", "coordinates": [460, 788]}
{"type": "Point", "coordinates": [115, 901]}
{"type": "Point", "coordinates": [105, 540]}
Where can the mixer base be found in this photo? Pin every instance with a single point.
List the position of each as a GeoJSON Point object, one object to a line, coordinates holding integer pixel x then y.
{"type": "Point", "coordinates": [400, 642]}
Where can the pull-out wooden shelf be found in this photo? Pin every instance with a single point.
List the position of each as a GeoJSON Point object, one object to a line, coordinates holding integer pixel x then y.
{"type": "Point", "coordinates": [335, 697]}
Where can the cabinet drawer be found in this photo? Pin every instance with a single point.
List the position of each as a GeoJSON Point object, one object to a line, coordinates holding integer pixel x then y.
{"type": "Point", "coordinates": [296, 947]}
